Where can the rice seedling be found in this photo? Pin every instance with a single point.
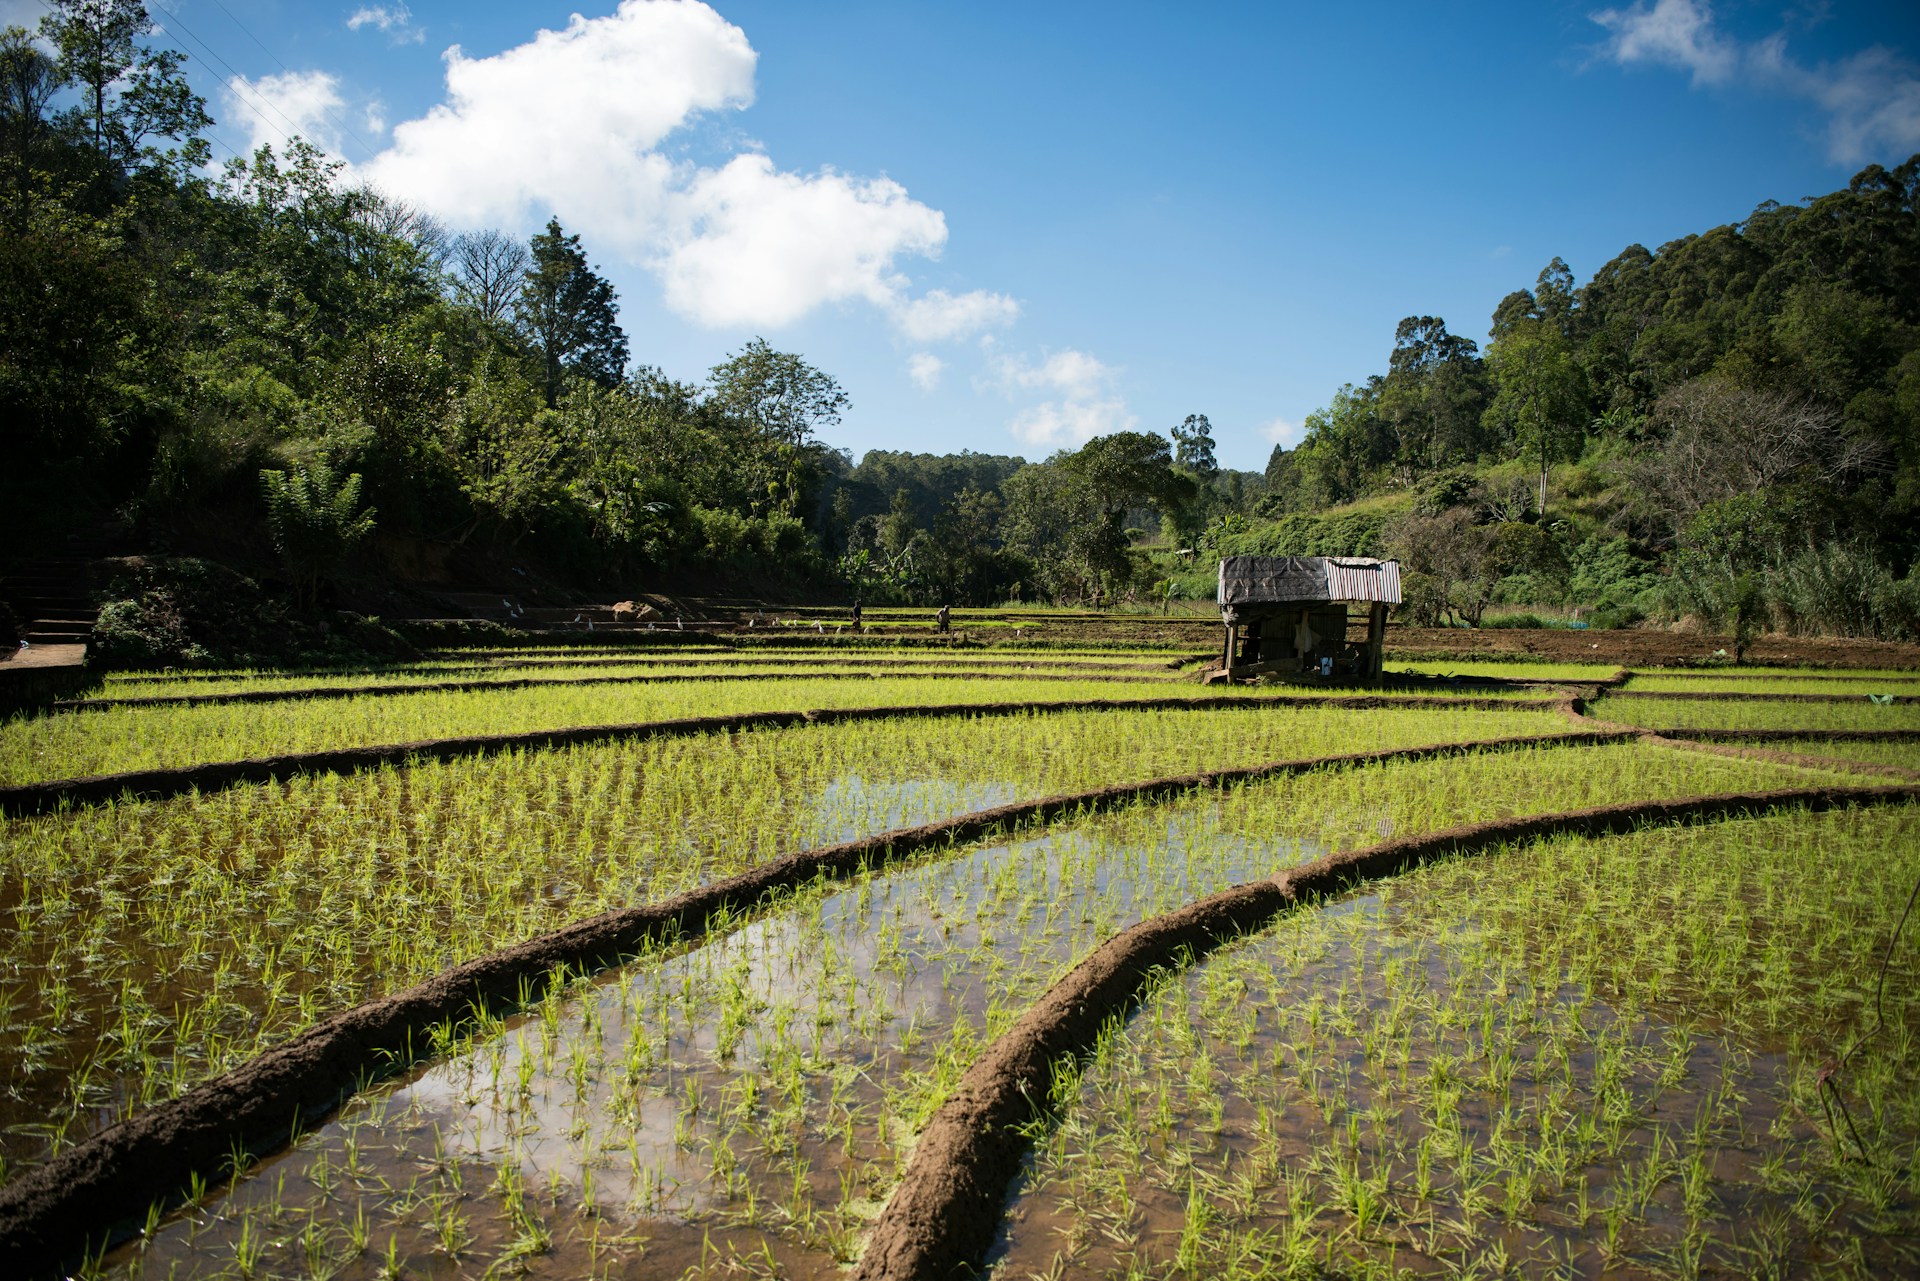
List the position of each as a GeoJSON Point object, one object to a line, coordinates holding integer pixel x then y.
{"type": "Point", "coordinates": [1786, 717]}
{"type": "Point", "coordinates": [1827, 683]}
{"type": "Point", "coordinates": [153, 944]}
{"type": "Point", "coordinates": [132, 737]}
{"type": "Point", "coordinates": [765, 1088]}
{"type": "Point", "coordinates": [1484, 1068]}
{"type": "Point", "coordinates": [1902, 755]}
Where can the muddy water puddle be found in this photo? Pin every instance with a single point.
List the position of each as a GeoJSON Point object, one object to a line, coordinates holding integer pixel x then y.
{"type": "Point", "coordinates": [756, 1096]}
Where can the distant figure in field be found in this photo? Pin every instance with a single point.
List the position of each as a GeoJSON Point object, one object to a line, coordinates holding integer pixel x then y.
{"type": "Point", "coordinates": [856, 616]}
{"type": "Point", "coordinates": [945, 619]}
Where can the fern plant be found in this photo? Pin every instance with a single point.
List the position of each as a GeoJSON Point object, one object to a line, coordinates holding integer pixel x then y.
{"type": "Point", "coordinates": [315, 521]}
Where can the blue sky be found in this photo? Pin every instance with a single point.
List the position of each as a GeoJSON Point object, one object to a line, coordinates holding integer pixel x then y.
{"type": "Point", "coordinates": [1008, 227]}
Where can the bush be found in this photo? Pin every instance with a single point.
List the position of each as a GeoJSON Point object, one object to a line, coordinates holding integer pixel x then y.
{"type": "Point", "coordinates": [1896, 607]}
{"type": "Point", "coordinates": [184, 612]}
{"type": "Point", "coordinates": [1349, 533]}
{"type": "Point", "coordinates": [1832, 590]}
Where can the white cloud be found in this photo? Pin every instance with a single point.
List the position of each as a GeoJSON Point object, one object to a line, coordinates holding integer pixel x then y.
{"type": "Point", "coordinates": [1074, 373]}
{"type": "Point", "coordinates": [749, 245]}
{"type": "Point", "coordinates": [939, 316]}
{"type": "Point", "coordinates": [1058, 424]}
{"type": "Point", "coordinates": [1083, 405]}
{"type": "Point", "coordinates": [924, 368]}
{"type": "Point", "coordinates": [276, 108]}
{"type": "Point", "coordinates": [572, 123]}
{"type": "Point", "coordinates": [396, 20]}
{"type": "Point", "coordinates": [1871, 99]}
{"type": "Point", "coordinates": [1671, 33]}
{"type": "Point", "coordinates": [568, 122]}
{"type": "Point", "coordinates": [1284, 432]}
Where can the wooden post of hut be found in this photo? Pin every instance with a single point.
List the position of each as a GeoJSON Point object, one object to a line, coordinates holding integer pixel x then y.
{"type": "Point", "coordinates": [1287, 615]}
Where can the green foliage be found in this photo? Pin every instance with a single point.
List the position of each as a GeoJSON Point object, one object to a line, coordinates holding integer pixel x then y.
{"type": "Point", "coordinates": [316, 521]}
{"type": "Point", "coordinates": [1193, 446]}
{"type": "Point", "coordinates": [777, 393]}
{"type": "Point", "coordinates": [1066, 516]}
{"type": "Point", "coordinates": [1540, 395]}
{"type": "Point", "coordinates": [185, 612]}
{"type": "Point", "coordinates": [1352, 532]}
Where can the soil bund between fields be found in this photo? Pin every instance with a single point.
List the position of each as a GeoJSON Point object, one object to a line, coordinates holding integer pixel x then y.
{"type": "Point", "coordinates": [102, 1186]}
{"type": "Point", "coordinates": [26, 800]}
{"type": "Point", "coordinates": [947, 1210]}
{"type": "Point", "coordinates": [322, 693]}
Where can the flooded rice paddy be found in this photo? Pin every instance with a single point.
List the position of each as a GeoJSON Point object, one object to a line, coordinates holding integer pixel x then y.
{"type": "Point", "coordinates": [1570, 1058]}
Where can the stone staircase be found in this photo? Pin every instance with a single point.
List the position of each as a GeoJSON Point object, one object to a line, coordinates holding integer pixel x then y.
{"type": "Point", "coordinates": [51, 597]}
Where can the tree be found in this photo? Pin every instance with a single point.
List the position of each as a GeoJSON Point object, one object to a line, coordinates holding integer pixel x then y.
{"type": "Point", "coordinates": [1434, 396]}
{"type": "Point", "coordinates": [1193, 447]}
{"type": "Point", "coordinates": [1539, 394]}
{"type": "Point", "coordinates": [28, 81]}
{"type": "Point", "coordinates": [488, 269]}
{"type": "Point", "coordinates": [130, 93]}
{"type": "Point", "coordinates": [569, 314]}
{"type": "Point", "coordinates": [1448, 566]}
{"type": "Point", "coordinates": [777, 393]}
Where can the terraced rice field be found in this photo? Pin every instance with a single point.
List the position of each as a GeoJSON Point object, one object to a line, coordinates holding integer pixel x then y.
{"type": "Point", "coordinates": [789, 996]}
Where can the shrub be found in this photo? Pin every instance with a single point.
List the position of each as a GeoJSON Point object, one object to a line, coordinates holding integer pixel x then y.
{"type": "Point", "coordinates": [184, 612]}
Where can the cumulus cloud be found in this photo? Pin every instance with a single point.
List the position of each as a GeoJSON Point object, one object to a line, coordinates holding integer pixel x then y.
{"type": "Point", "coordinates": [396, 20]}
{"type": "Point", "coordinates": [276, 108]}
{"type": "Point", "coordinates": [747, 244]}
{"type": "Point", "coordinates": [569, 121]}
{"type": "Point", "coordinates": [1871, 99]}
{"type": "Point", "coordinates": [924, 368]}
{"type": "Point", "coordinates": [938, 316]}
{"type": "Point", "coordinates": [573, 123]}
{"type": "Point", "coordinates": [1083, 403]}
{"type": "Point", "coordinates": [1284, 432]}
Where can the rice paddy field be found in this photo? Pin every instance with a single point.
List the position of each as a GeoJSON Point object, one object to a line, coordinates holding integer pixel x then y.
{"type": "Point", "coordinates": [1680, 1043]}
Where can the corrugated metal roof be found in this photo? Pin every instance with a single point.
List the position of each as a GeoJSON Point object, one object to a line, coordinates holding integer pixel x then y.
{"type": "Point", "coordinates": [1363, 578]}
{"type": "Point", "coordinates": [1277, 580]}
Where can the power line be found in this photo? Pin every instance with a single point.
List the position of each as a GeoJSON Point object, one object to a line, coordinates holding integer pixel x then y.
{"type": "Point", "coordinates": [338, 120]}
{"type": "Point", "coordinates": [236, 79]}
